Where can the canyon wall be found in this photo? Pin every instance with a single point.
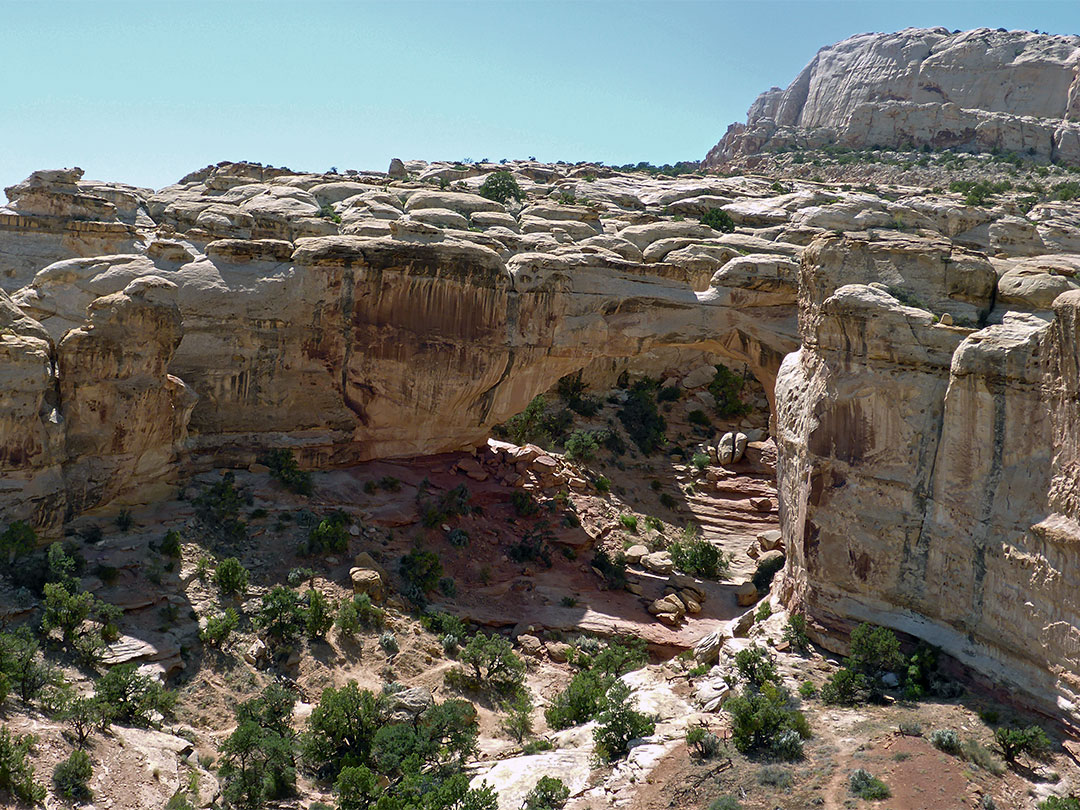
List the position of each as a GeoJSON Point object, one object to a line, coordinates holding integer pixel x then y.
{"type": "Point", "coordinates": [921, 355]}
{"type": "Point", "coordinates": [983, 90]}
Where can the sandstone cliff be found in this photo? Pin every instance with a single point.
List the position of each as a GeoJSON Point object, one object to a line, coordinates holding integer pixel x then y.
{"type": "Point", "coordinates": [982, 90]}
{"type": "Point", "coordinates": [921, 356]}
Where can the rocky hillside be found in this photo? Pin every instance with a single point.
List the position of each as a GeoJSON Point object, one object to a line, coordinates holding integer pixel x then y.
{"type": "Point", "coordinates": [982, 90]}
{"type": "Point", "coordinates": [914, 357]}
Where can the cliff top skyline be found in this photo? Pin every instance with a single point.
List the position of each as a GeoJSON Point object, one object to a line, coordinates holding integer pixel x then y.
{"type": "Point", "coordinates": [144, 92]}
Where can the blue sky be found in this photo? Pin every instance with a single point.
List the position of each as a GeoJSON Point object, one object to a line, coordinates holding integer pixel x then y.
{"type": "Point", "coordinates": [146, 91]}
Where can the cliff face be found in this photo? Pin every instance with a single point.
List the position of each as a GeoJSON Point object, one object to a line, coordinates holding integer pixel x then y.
{"type": "Point", "coordinates": [922, 358]}
{"type": "Point", "coordinates": [1009, 90]}
{"type": "Point", "coordinates": [928, 472]}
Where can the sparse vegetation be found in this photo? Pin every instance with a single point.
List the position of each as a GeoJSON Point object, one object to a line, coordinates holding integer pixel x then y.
{"type": "Point", "coordinates": [698, 557]}
{"type": "Point", "coordinates": [501, 187]}
{"type": "Point", "coordinates": [867, 786]}
{"type": "Point", "coordinates": [231, 577]}
{"type": "Point", "coordinates": [283, 467]}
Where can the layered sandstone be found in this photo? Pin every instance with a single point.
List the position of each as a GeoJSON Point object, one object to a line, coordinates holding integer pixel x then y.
{"type": "Point", "coordinates": [921, 356]}
{"type": "Point", "coordinates": [981, 90]}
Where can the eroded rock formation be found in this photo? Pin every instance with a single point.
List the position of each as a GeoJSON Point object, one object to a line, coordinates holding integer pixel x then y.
{"type": "Point", "coordinates": [921, 355]}
{"type": "Point", "coordinates": [982, 90]}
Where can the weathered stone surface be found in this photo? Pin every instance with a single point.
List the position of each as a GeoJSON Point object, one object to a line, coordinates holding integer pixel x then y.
{"type": "Point", "coordinates": [746, 594]}
{"type": "Point", "coordinates": [983, 89]}
{"type": "Point", "coordinates": [369, 581]}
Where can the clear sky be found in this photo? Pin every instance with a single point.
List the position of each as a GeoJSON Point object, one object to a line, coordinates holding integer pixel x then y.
{"type": "Point", "coordinates": [148, 90]}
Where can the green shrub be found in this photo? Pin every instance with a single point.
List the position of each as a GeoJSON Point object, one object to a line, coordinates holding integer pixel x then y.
{"type": "Point", "coordinates": [388, 643]}
{"type": "Point", "coordinates": [71, 778]}
{"type": "Point", "coordinates": [774, 776]}
{"type": "Point", "coordinates": [757, 666]}
{"type": "Point", "coordinates": [579, 702]}
{"type": "Point", "coordinates": [170, 545]}
{"type": "Point", "coordinates": [218, 506]}
{"type": "Point", "coordinates": [518, 720]}
{"type": "Point", "coordinates": [357, 788]}
{"type": "Point", "coordinates": [281, 616]}
{"type": "Point", "coordinates": [20, 665]}
{"type": "Point", "coordinates": [640, 418]}
{"type": "Point", "coordinates": [703, 743]}
{"type": "Point", "coordinates": [698, 417]}
{"type": "Point", "coordinates": [329, 535]}
{"type": "Point", "coordinates": [218, 628]}
{"type": "Point", "coordinates": [359, 611]}
{"type": "Point", "coordinates": [318, 616]}
{"type": "Point", "coordinates": [231, 577]}
{"type": "Point", "coordinates": [1059, 803]}
{"type": "Point", "coordinates": [458, 538]}
{"type": "Point", "coordinates": [845, 688]}
{"type": "Point", "coordinates": [629, 522]}
{"type": "Point", "coordinates": [16, 772]}
{"type": "Point", "coordinates": [619, 723]}
{"type": "Point", "coordinates": [524, 504]}
{"type": "Point", "coordinates": [981, 756]}
{"type": "Point", "coordinates": [874, 649]}
{"type": "Point", "coordinates": [341, 728]}
{"type": "Point", "coordinates": [1013, 741]}
{"type": "Point", "coordinates": [700, 461]}
{"type": "Point", "coordinates": [807, 690]}
{"type": "Point", "coordinates": [763, 612]}
{"type": "Point", "coordinates": [698, 557]}
{"type": "Point", "coordinates": [602, 484]}
{"type": "Point", "coordinates": [65, 611]}
{"type": "Point", "coordinates": [795, 633]}
{"type": "Point", "coordinates": [760, 718]}
{"type": "Point", "coordinates": [421, 571]}
{"type": "Point", "coordinates": [612, 569]}
{"type": "Point", "coordinates": [549, 793]}
{"type": "Point", "coordinates": [83, 714]}
{"type": "Point", "coordinates": [718, 220]}
{"type": "Point", "coordinates": [17, 540]}
{"type": "Point", "coordinates": [501, 186]}
{"type": "Point", "coordinates": [489, 664]}
{"type": "Point", "coordinates": [581, 446]}
{"type": "Point", "coordinates": [133, 698]}
{"type": "Point", "coordinates": [725, 388]}
{"type": "Point", "coordinates": [258, 759]}
{"type": "Point", "coordinates": [535, 747]}
{"type": "Point", "coordinates": [867, 786]}
{"type": "Point", "coordinates": [765, 571]}
{"type": "Point", "coordinates": [945, 739]}
{"type": "Point", "coordinates": [670, 393]}
{"type": "Point", "coordinates": [725, 803]}
{"type": "Point", "coordinates": [283, 467]}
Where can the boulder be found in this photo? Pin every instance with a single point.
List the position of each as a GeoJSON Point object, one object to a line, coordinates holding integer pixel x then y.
{"type": "Point", "coordinates": [659, 562]}
{"type": "Point", "coordinates": [369, 581]}
{"type": "Point", "coordinates": [530, 645]}
{"type": "Point", "coordinates": [771, 540]}
{"type": "Point", "coordinates": [635, 553]}
{"type": "Point", "coordinates": [739, 447]}
{"type": "Point", "coordinates": [746, 594]}
{"type": "Point", "coordinates": [668, 609]}
{"type": "Point", "coordinates": [397, 169]}
{"type": "Point", "coordinates": [707, 651]}
{"type": "Point", "coordinates": [408, 704]}
{"type": "Point", "coordinates": [558, 651]}
{"type": "Point", "coordinates": [725, 449]}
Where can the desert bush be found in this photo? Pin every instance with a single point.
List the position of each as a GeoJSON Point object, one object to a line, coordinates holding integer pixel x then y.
{"type": "Point", "coordinates": [16, 770]}
{"type": "Point", "coordinates": [1055, 803]}
{"type": "Point", "coordinates": [218, 506]}
{"type": "Point", "coordinates": [517, 723]}
{"type": "Point", "coordinates": [231, 577]}
{"type": "Point", "coordinates": [258, 761]}
{"type": "Point", "coordinates": [725, 388]}
{"type": "Point", "coordinates": [696, 556]}
{"type": "Point", "coordinates": [725, 803]}
{"type": "Point", "coordinates": [619, 723]}
{"type": "Point", "coordinates": [1013, 741]}
{"type": "Point", "coordinates": [757, 666]}
{"type": "Point", "coordinates": [318, 615]}
{"type": "Point", "coordinates": [641, 419]}
{"type": "Point", "coordinates": [501, 186]}
{"type": "Point", "coordinates": [945, 739]}
{"type": "Point", "coordinates": [807, 690]}
{"type": "Point", "coordinates": [845, 688]}
{"type": "Point", "coordinates": [421, 570]}
{"type": "Point", "coordinates": [281, 616]}
{"type": "Point", "coordinates": [774, 776]}
{"type": "Point", "coordinates": [874, 649]}
{"type": "Point", "coordinates": [133, 697]}
{"type": "Point", "coordinates": [612, 569]}
{"type": "Point", "coordinates": [718, 220]}
{"type": "Point", "coordinates": [765, 571]}
{"type": "Point", "coordinates": [489, 663]}
{"type": "Point", "coordinates": [71, 777]}
{"type": "Point", "coordinates": [218, 628]}
{"type": "Point", "coordinates": [703, 743]}
{"type": "Point", "coordinates": [329, 535]}
{"type": "Point", "coordinates": [795, 633]}
{"type": "Point", "coordinates": [629, 522]}
{"type": "Point", "coordinates": [581, 446]}
{"type": "Point", "coordinates": [760, 718]}
{"type": "Point", "coordinates": [549, 793]}
{"type": "Point", "coordinates": [283, 467]}
{"type": "Point", "coordinates": [579, 702]}
{"type": "Point", "coordinates": [65, 611]}
{"type": "Point", "coordinates": [388, 643]}
{"type": "Point", "coordinates": [170, 544]}
{"type": "Point", "coordinates": [867, 786]}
